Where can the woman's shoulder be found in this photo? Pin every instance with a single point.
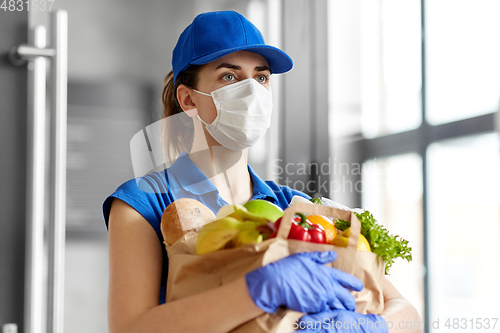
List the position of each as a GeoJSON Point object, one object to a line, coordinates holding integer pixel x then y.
{"type": "Point", "coordinates": [145, 187]}
{"type": "Point", "coordinates": [149, 195]}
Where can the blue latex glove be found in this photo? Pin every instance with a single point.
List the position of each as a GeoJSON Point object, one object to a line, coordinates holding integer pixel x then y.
{"type": "Point", "coordinates": [341, 321]}
{"type": "Point", "coordinates": [301, 283]}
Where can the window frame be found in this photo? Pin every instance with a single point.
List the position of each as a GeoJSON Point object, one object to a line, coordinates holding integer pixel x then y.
{"type": "Point", "coordinates": [417, 141]}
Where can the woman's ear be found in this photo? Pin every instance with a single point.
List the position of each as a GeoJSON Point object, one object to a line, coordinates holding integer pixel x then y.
{"type": "Point", "coordinates": [184, 96]}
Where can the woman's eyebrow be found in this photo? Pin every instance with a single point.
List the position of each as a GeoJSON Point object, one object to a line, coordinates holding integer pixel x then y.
{"type": "Point", "coordinates": [262, 68]}
{"type": "Point", "coordinates": [230, 66]}
{"type": "Point", "coordinates": [237, 68]}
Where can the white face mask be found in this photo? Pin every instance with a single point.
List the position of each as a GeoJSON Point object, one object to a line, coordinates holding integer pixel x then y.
{"type": "Point", "coordinates": [243, 114]}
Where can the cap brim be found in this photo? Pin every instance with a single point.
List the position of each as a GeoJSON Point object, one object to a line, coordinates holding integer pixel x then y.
{"type": "Point", "coordinates": [279, 61]}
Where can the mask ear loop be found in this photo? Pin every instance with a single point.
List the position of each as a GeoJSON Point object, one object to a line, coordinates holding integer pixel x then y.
{"type": "Point", "coordinates": [193, 113]}
{"type": "Point", "coordinates": [202, 93]}
{"type": "Point", "coordinates": [197, 115]}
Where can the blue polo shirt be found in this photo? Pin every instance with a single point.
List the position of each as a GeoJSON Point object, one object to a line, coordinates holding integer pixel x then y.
{"type": "Point", "coordinates": [152, 193]}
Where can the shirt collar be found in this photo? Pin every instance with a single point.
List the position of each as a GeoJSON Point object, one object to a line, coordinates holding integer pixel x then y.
{"type": "Point", "coordinates": [190, 178]}
{"type": "Point", "coordinates": [260, 189]}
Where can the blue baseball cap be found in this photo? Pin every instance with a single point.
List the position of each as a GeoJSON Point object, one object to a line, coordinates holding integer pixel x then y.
{"type": "Point", "coordinates": [215, 34]}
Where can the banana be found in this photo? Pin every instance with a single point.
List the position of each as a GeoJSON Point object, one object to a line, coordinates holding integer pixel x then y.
{"type": "Point", "coordinates": [214, 236]}
{"type": "Point", "coordinates": [227, 210]}
{"type": "Point", "coordinates": [248, 236]}
{"type": "Point", "coordinates": [244, 215]}
{"type": "Point", "coordinates": [235, 226]}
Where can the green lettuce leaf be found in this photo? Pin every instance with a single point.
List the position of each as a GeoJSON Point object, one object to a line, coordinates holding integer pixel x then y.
{"type": "Point", "coordinates": [383, 244]}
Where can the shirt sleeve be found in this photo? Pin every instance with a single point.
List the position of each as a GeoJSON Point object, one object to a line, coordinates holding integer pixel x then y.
{"type": "Point", "coordinates": [148, 195]}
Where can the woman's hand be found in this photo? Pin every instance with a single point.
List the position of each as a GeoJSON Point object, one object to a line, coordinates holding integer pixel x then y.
{"type": "Point", "coordinates": [342, 321]}
{"type": "Point", "coordinates": [302, 283]}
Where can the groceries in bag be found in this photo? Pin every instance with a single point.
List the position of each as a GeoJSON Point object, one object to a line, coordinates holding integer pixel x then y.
{"type": "Point", "coordinates": [258, 220]}
{"type": "Point", "coordinates": [373, 237]}
{"type": "Point", "coordinates": [252, 223]}
{"type": "Point", "coordinates": [190, 273]}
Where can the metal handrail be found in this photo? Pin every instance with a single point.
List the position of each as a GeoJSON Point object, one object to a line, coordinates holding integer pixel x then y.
{"type": "Point", "coordinates": [37, 54]}
{"type": "Point", "coordinates": [35, 191]}
{"type": "Point", "coordinates": [57, 213]}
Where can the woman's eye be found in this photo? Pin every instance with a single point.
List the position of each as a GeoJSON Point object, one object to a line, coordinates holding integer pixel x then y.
{"type": "Point", "coordinates": [262, 78]}
{"type": "Point", "coordinates": [228, 77]}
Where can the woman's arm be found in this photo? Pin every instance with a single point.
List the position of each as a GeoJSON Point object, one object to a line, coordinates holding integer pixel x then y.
{"type": "Point", "coordinates": [400, 315]}
{"type": "Point", "coordinates": [135, 257]}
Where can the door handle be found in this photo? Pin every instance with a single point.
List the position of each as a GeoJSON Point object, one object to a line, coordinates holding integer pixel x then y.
{"type": "Point", "coordinates": [58, 143]}
{"type": "Point", "coordinates": [37, 56]}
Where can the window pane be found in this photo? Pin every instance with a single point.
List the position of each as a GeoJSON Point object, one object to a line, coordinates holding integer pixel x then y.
{"type": "Point", "coordinates": [375, 66]}
{"type": "Point", "coordinates": [463, 52]}
{"type": "Point", "coordinates": [392, 192]}
{"type": "Point", "coordinates": [464, 229]}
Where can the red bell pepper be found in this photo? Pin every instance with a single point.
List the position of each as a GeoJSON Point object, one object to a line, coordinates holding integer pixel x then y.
{"type": "Point", "coordinates": [302, 229]}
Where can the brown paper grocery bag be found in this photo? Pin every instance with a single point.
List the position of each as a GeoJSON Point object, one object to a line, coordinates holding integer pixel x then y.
{"type": "Point", "coordinates": [189, 274]}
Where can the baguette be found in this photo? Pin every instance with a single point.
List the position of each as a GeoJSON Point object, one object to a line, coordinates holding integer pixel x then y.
{"type": "Point", "coordinates": [182, 216]}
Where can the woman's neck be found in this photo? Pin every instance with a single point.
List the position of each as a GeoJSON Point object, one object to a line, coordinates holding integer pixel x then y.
{"type": "Point", "coordinates": [225, 168]}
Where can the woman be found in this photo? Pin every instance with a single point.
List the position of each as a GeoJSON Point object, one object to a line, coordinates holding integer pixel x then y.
{"type": "Point", "coordinates": [220, 79]}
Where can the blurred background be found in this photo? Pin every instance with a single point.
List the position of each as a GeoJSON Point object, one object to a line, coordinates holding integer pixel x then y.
{"type": "Point", "coordinates": [391, 106]}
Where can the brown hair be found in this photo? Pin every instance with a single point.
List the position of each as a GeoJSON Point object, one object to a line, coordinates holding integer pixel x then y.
{"type": "Point", "coordinates": [177, 132]}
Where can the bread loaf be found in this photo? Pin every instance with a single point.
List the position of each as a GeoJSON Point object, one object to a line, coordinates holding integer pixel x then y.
{"type": "Point", "coordinates": [184, 215]}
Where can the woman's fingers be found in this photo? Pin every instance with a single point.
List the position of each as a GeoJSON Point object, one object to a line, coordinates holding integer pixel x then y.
{"type": "Point", "coordinates": [336, 303]}
{"type": "Point", "coordinates": [320, 257]}
{"type": "Point", "coordinates": [346, 280]}
{"type": "Point", "coordinates": [345, 298]}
